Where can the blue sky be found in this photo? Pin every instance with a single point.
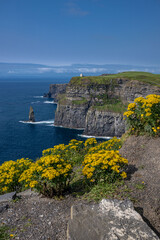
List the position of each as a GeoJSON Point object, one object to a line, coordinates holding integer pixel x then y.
{"type": "Point", "coordinates": [61, 32]}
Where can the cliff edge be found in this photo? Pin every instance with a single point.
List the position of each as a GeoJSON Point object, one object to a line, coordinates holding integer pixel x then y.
{"type": "Point", "coordinates": [96, 104]}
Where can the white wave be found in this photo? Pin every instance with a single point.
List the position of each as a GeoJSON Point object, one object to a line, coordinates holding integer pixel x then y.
{"type": "Point", "coordinates": [38, 96]}
{"type": "Point", "coordinates": [50, 102]}
{"type": "Point", "coordinates": [35, 102]}
{"type": "Point", "coordinates": [86, 136]}
{"type": "Point", "coordinates": [40, 122]}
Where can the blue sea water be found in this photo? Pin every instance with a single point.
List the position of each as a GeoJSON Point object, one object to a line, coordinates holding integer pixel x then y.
{"type": "Point", "coordinates": [19, 139]}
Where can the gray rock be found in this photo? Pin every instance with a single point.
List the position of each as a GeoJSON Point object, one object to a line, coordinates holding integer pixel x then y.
{"type": "Point", "coordinates": [31, 115]}
{"type": "Point", "coordinates": [7, 197]}
{"type": "Point", "coordinates": [109, 220]}
{"type": "Point", "coordinates": [54, 90]}
{"type": "Point", "coordinates": [3, 207]}
{"type": "Point", "coordinates": [102, 123]}
{"type": "Point", "coordinates": [27, 193]}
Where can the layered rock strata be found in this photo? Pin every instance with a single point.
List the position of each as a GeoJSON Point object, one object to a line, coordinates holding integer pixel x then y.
{"type": "Point", "coordinates": [54, 90]}
{"type": "Point", "coordinates": [84, 105]}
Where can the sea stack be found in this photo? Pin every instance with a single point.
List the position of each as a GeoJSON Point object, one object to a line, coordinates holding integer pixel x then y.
{"type": "Point", "coordinates": [31, 115]}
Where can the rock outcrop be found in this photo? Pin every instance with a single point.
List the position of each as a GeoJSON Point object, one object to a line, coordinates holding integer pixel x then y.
{"type": "Point", "coordinates": [102, 123]}
{"type": "Point", "coordinates": [56, 89]}
{"type": "Point", "coordinates": [109, 220]}
{"type": "Point", "coordinates": [88, 104]}
{"type": "Point", "coordinates": [31, 115]}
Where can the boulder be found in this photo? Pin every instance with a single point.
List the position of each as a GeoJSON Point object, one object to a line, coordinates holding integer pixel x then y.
{"type": "Point", "coordinates": [7, 197]}
{"type": "Point", "coordinates": [108, 220]}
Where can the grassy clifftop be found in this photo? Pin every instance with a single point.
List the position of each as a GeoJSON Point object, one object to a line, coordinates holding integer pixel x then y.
{"type": "Point", "coordinates": [150, 78]}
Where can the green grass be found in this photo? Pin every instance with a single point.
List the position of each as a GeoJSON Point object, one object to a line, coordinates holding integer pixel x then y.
{"type": "Point", "coordinates": [140, 186]}
{"type": "Point", "coordinates": [111, 105]}
{"type": "Point", "coordinates": [4, 233]}
{"type": "Point", "coordinates": [145, 77]}
{"type": "Point", "coordinates": [80, 102]}
{"type": "Point", "coordinates": [115, 107]}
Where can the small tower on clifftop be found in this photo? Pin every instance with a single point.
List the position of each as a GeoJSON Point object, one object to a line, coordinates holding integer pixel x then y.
{"type": "Point", "coordinates": [81, 75]}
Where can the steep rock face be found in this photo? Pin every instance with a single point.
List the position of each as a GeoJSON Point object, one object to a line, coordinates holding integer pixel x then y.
{"type": "Point", "coordinates": [71, 116]}
{"type": "Point", "coordinates": [79, 107]}
{"type": "Point", "coordinates": [126, 90]}
{"type": "Point", "coordinates": [101, 123]}
{"type": "Point", "coordinates": [54, 90]}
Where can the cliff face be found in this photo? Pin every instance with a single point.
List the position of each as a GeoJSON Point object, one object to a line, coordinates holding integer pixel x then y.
{"type": "Point", "coordinates": [102, 123]}
{"type": "Point", "coordinates": [97, 107]}
{"type": "Point", "coordinates": [54, 90]}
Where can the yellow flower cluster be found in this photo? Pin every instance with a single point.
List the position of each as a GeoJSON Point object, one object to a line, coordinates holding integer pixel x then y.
{"type": "Point", "coordinates": [90, 142]}
{"type": "Point", "coordinates": [47, 168]}
{"type": "Point", "coordinates": [144, 114]}
{"type": "Point", "coordinates": [103, 164]}
{"type": "Point", "coordinates": [10, 172]}
{"type": "Point", "coordinates": [112, 144]}
{"type": "Point", "coordinates": [51, 173]}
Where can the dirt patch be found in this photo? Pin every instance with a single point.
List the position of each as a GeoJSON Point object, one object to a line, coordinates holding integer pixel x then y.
{"type": "Point", "coordinates": [36, 218]}
{"type": "Point", "coordinates": [143, 154]}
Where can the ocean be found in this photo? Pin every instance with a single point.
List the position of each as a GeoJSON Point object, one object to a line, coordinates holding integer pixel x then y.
{"type": "Point", "coordinates": [19, 139]}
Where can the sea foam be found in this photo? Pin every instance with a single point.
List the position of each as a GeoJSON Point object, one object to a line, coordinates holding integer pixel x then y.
{"type": "Point", "coordinates": [39, 122]}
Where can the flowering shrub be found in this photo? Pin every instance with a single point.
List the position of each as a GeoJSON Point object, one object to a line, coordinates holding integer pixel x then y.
{"type": "Point", "coordinates": [50, 175]}
{"type": "Point", "coordinates": [143, 116]}
{"type": "Point", "coordinates": [53, 172]}
{"type": "Point", "coordinates": [10, 172]}
{"type": "Point", "coordinates": [104, 166]}
{"type": "Point", "coordinates": [90, 142]}
{"type": "Point", "coordinates": [112, 144]}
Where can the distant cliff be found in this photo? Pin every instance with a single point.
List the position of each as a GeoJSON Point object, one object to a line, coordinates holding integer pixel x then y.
{"type": "Point", "coordinates": [54, 90]}
{"type": "Point", "coordinates": [96, 104]}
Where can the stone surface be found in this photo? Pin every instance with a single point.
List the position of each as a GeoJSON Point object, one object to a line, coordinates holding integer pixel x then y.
{"type": "Point", "coordinates": [31, 115]}
{"type": "Point", "coordinates": [102, 123]}
{"type": "Point", "coordinates": [7, 197]}
{"type": "Point", "coordinates": [3, 207]}
{"type": "Point", "coordinates": [109, 220]}
{"type": "Point", "coordinates": [54, 90]}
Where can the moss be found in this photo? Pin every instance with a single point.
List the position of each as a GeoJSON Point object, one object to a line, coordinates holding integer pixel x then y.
{"type": "Point", "coordinates": [111, 105]}
{"type": "Point", "coordinates": [146, 77]}
{"type": "Point", "coordinates": [80, 102]}
{"type": "Point", "coordinates": [62, 98]}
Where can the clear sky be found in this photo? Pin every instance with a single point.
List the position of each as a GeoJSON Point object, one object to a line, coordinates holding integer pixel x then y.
{"type": "Point", "coordinates": [59, 32]}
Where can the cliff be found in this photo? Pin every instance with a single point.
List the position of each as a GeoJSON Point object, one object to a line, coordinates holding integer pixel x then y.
{"type": "Point", "coordinates": [54, 90]}
{"type": "Point", "coordinates": [96, 104]}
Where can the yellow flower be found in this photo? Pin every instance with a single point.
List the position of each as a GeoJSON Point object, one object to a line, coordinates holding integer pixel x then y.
{"type": "Point", "coordinates": [123, 175]}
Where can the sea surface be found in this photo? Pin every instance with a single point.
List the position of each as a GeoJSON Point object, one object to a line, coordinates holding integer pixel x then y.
{"type": "Point", "coordinates": [19, 139]}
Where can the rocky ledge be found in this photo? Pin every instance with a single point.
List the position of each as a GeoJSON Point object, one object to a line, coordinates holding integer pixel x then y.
{"type": "Point", "coordinates": [109, 220]}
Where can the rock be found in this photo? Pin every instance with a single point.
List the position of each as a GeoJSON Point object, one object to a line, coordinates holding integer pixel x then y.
{"type": "Point", "coordinates": [54, 90]}
{"type": "Point", "coordinates": [109, 220]}
{"type": "Point", "coordinates": [31, 115]}
{"type": "Point", "coordinates": [7, 197]}
{"type": "Point", "coordinates": [102, 123]}
{"type": "Point", "coordinates": [3, 207]}
{"type": "Point", "coordinates": [28, 193]}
